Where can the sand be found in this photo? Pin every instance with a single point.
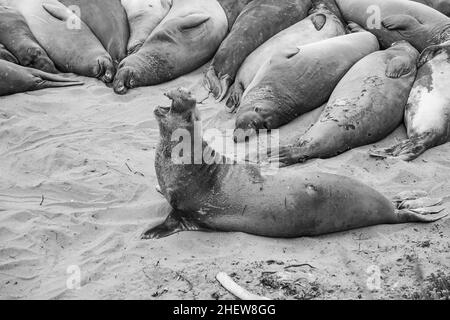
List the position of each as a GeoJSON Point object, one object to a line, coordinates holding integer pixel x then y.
{"type": "Point", "coordinates": [77, 188]}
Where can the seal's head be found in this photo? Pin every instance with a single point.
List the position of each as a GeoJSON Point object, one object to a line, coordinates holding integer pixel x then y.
{"type": "Point", "coordinates": [180, 115]}
{"type": "Point", "coordinates": [247, 124]}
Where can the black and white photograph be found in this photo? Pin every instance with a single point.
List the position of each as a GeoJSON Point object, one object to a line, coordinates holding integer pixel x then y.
{"type": "Point", "coordinates": [244, 151]}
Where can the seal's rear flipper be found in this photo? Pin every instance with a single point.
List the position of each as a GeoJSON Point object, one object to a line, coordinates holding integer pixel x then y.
{"type": "Point", "coordinates": [217, 84]}
{"type": "Point", "coordinates": [49, 80]}
{"type": "Point", "coordinates": [399, 22]}
{"type": "Point", "coordinates": [431, 51]}
{"type": "Point", "coordinates": [422, 209]}
{"type": "Point", "coordinates": [407, 150]}
{"type": "Point", "coordinates": [171, 225]}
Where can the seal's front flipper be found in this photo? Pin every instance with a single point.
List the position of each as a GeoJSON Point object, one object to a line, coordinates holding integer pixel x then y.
{"type": "Point", "coordinates": [60, 12]}
{"type": "Point", "coordinates": [407, 150]}
{"type": "Point", "coordinates": [354, 27]}
{"type": "Point", "coordinates": [399, 22]}
{"type": "Point", "coordinates": [234, 100]}
{"type": "Point", "coordinates": [399, 67]}
{"type": "Point", "coordinates": [431, 51]}
{"type": "Point", "coordinates": [173, 224]}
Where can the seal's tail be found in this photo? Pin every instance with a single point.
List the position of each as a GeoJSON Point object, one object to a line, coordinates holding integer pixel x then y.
{"type": "Point", "coordinates": [417, 207]}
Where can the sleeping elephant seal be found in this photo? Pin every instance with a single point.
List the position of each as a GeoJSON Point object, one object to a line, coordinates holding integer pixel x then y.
{"type": "Point", "coordinates": [6, 55]}
{"type": "Point", "coordinates": [108, 21]}
{"type": "Point", "coordinates": [320, 25]}
{"type": "Point", "coordinates": [299, 80]}
{"type": "Point", "coordinates": [16, 36]}
{"type": "Point", "coordinates": [239, 198]}
{"type": "Point", "coordinates": [185, 40]}
{"type": "Point", "coordinates": [67, 40]}
{"type": "Point", "coordinates": [143, 17]}
{"type": "Point", "coordinates": [259, 21]}
{"type": "Point", "coordinates": [396, 20]}
{"type": "Point", "coordinates": [427, 115]}
{"type": "Point", "coordinates": [366, 106]}
{"type": "Point", "coordinates": [16, 79]}
{"type": "Point", "coordinates": [442, 6]}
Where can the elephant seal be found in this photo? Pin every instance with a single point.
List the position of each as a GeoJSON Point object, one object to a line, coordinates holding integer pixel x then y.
{"type": "Point", "coordinates": [16, 79]}
{"type": "Point", "coordinates": [143, 17]}
{"type": "Point", "coordinates": [108, 21]}
{"type": "Point", "coordinates": [16, 36]}
{"type": "Point", "coordinates": [442, 6]}
{"type": "Point", "coordinates": [6, 55]}
{"type": "Point", "coordinates": [427, 115]}
{"type": "Point", "coordinates": [185, 40]}
{"type": "Point", "coordinates": [239, 198]}
{"type": "Point", "coordinates": [259, 21]}
{"type": "Point", "coordinates": [322, 24]}
{"type": "Point", "coordinates": [366, 106]}
{"type": "Point", "coordinates": [395, 20]}
{"type": "Point", "coordinates": [66, 39]}
{"type": "Point", "coordinates": [297, 81]}
{"type": "Point", "coordinates": [233, 9]}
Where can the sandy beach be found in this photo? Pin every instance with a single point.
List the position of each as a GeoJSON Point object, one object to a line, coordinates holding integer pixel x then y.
{"type": "Point", "coordinates": [77, 188]}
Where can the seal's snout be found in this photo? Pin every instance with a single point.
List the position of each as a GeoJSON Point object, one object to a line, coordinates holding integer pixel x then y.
{"type": "Point", "coordinates": [182, 100]}
{"type": "Point", "coordinates": [247, 125]}
{"type": "Point", "coordinates": [105, 70]}
{"type": "Point", "coordinates": [124, 80]}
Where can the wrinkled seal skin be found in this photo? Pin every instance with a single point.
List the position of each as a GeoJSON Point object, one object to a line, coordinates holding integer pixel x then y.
{"type": "Point", "coordinates": [322, 24]}
{"type": "Point", "coordinates": [427, 115]}
{"type": "Point", "coordinates": [72, 50]}
{"type": "Point", "coordinates": [143, 17]}
{"type": "Point", "coordinates": [6, 55]}
{"type": "Point", "coordinates": [16, 36]}
{"type": "Point", "coordinates": [259, 21]}
{"type": "Point", "coordinates": [442, 6]}
{"type": "Point", "coordinates": [16, 79]}
{"type": "Point", "coordinates": [297, 81]}
{"type": "Point", "coordinates": [366, 106]}
{"type": "Point", "coordinates": [414, 22]}
{"type": "Point", "coordinates": [238, 198]}
{"type": "Point", "coordinates": [108, 21]}
{"type": "Point", "coordinates": [185, 40]}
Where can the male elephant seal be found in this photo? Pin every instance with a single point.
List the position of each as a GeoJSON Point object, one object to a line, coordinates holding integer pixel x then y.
{"type": "Point", "coordinates": [440, 5]}
{"type": "Point", "coordinates": [259, 21]}
{"type": "Point", "coordinates": [16, 79]}
{"type": "Point", "coordinates": [396, 20]}
{"type": "Point", "coordinates": [427, 115]}
{"type": "Point", "coordinates": [320, 25]}
{"type": "Point", "coordinates": [367, 105]}
{"type": "Point", "coordinates": [67, 40]}
{"type": "Point", "coordinates": [299, 80]}
{"type": "Point", "coordinates": [143, 17]}
{"type": "Point", "coordinates": [185, 40]}
{"type": "Point", "coordinates": [6, 55]}
{"type": "Point", "coordinates": [238, 198]}
{"type": "Point", "coordinates": [16, 36]}
{"type": "Point", "coordinates": [108, 21]}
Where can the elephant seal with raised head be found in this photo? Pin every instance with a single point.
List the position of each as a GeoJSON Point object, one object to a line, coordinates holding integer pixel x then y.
{"type": "Point", "coordinates": [395, 20]}
{"type": "Point", "coordinates": [16, 79]}
{"type": "Point", "coordinates": [258, 21]}
{"type": "Point", "coordinates": [366, 106]}
{"type": "Point", "coordinates": [321, 24]}
{"type": "Point", "coordinates": [143, 17]}
{"type": "Point", "coordinates": [67, 40]}
{"type": "Point", "coordinates": [427, 114]}
{"type": "Point", "coordinates": [16, 36]}
{"type": "Point", "coordinates": [239, 198]}
{"type": "Point", "coordinates": [297, 81]}
{"type": "Point", "coordinates": [108, 21]}
{"type": "Point", "coordinates": [185, 40]}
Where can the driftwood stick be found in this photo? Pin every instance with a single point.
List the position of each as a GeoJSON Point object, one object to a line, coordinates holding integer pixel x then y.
{"type": "Point", "coordinates": [236, 289]}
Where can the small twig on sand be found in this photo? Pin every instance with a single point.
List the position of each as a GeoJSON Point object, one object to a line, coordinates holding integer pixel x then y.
{"type": "Point", "coordinates": [236, 289]}
{"type": "Point", "coordinates": [299, 265]}
{"type": "Point", "coordinates": [42, 200]}
{"type": "Point", "coordinates": [134, 172]}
